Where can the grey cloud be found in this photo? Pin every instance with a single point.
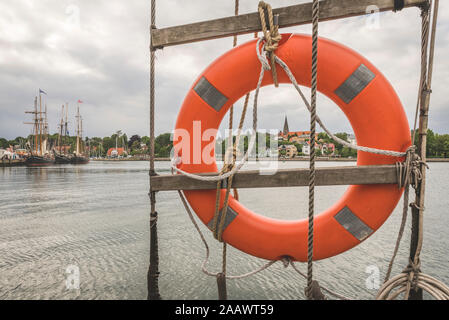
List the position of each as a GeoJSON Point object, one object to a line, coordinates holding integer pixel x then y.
{"type": "Point", "coordinates": [105, 60]}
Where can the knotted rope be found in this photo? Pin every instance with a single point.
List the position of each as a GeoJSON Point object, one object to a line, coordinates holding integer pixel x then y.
{"type": "Point", "coordinates": [228, 166]}
{"type": "Point", "coordinates": [409, 174]}
{"type": "Point", "coordinates": [271, 35]}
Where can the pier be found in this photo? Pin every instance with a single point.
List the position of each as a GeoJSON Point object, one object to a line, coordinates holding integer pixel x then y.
{"type": "Point", "coordinates": [12, 163]}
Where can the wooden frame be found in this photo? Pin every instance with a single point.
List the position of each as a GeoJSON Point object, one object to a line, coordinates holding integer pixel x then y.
{"type": "Point", "coordinates": [348, 175]}
{"type": "Point", "coordinates": [288, 16]}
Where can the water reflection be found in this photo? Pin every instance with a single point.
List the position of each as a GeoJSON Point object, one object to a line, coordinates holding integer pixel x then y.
{"type": "Point", "coordinates": [97, 218]}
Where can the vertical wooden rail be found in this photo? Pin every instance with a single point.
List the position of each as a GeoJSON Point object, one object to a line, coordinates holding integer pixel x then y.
{"type": "Point", "coordinates": [153, 270]}
{"type": "Point", "coordinates": [418, 210]}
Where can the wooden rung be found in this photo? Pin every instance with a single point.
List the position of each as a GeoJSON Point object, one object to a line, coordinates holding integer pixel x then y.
{"type": "Point", "coordinates": [354, 175]}
{"type": "Point", "coordinates": [288, 16]}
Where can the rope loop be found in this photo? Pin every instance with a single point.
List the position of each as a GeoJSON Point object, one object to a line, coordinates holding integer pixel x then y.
{"type": "Point", "coordinates": [409, 172]}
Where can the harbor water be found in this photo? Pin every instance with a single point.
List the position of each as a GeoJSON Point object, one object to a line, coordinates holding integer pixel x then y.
{"type": "Point", "coordinates": [95, 219]}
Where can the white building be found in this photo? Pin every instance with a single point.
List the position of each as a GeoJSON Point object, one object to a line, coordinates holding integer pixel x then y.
{"type": "Point", "coordinates": [352, 140]}
{"type": "Point", "coordinates": [306, 149]}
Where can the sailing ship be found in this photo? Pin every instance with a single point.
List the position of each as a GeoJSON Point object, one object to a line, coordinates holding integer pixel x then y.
{"type": "Point", "coordinates": [60, 152]}
{"type": "Point", "coordinates": [38, 152]}
{"type": "Point", "coordinates": [79, 156]}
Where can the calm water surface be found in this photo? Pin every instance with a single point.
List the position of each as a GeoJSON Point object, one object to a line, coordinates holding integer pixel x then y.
{"type": "Point", "coordinates": [96, 217]}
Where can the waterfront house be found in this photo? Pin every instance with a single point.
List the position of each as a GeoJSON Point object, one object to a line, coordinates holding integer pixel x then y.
{"type": "Point", "coordinates": [290, 150]}
{"type": "Point", "coordinates": [116, 152]}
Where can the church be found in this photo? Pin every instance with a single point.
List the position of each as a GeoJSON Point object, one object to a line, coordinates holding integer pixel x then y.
{"type": "Point", "coordinates": [299, 137]}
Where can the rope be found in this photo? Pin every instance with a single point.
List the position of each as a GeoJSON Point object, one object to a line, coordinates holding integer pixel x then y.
{"type": "Point", "coordinates": [312, 290]}
{"type": "Point", "coordinates": [318, 119]}
{"type": "Point", "coordinates": [203, 239]}
{"type": "Point", "coordinates": [217, 229]}
{"type": "Point", "coordinates": [286, 261]}
{"type": "Point", "coordinates": [272, 36]}
{"type": "Point", "coordinates": [402, 284]}
{"type": "Point", "coordinates": [424, 49]}
{"type": "Point", "coordinates": [153, 270]}
{"type": "Point", "coordinates": [408, 174]}
{"type": "Point", "coordinates": [332, 293]}
{"type": "Point", "coordinates": [221, 278]}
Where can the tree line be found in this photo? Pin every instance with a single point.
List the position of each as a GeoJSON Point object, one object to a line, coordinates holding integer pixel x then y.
{"type": "Point", "coordinates": [437, 144]}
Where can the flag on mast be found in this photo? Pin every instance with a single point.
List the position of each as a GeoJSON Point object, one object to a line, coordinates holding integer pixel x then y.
{"type": "Point", "coordinates": [42, 91]}
{"type": "Point", "coordinates": [79, 101]}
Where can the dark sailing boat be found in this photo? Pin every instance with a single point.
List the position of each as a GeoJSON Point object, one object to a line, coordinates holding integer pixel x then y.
{"type": "Point", "coordinates": [61, 155]}
{"type": "Point", "coordinates": [79, 156]}
{"type": "Point", "coordinates": [39, 155]}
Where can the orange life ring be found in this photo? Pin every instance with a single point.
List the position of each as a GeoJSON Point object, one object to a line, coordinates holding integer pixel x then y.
{"type": "Point", "coordinates": [371, 106]}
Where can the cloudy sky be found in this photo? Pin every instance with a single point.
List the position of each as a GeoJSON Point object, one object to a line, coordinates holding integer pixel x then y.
{"type": "Point", "coordinates": [97, 51]}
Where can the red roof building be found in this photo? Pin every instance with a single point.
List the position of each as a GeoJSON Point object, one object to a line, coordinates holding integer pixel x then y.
{"type": "Point", "coordinates": [120, 151]}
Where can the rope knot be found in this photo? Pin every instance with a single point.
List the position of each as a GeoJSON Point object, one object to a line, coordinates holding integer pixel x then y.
{"type": "Point", "coordinates": [313, 292]}
{"type": "Point", "coordinates": [229, 160]}
{"type": "Point", "coordinates": [286, 261]}
{"type": "Point", "coordinates": [413, 270]}
{"type": "Point", "coordinates": [410, 171]}
{"type": "Point", "coordinates": [271, 36]}
{"type": "Point", "coordinates": [153, 219]}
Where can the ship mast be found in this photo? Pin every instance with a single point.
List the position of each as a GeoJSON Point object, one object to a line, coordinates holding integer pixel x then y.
{"type": "Point", "coordinates": [81, 135]}
{"type": "Point", "coordinates": [78, 131]}
{"type": "Point", "coordinates": [66, 129]}
{"type": "Point", "coordinates": [45, 129]}
{"type": "Point", "coordinates": [36, 126]}
{"type": "Point", "coordinates": [35, 123]}
{"type": "Point", "coordinates": [61, 128]}
{"type": "Point", "coordinates": [40, 124]}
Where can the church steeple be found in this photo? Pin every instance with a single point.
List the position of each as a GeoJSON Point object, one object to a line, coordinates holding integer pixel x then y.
{"type": "Point", "coordinates": [286, 130]}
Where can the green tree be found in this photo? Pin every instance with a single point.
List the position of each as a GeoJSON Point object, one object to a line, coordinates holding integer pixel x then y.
{"type": "Point", "coordinates": [163, 145]}
{"type": "Point", "coordinates": [133, 139]}
{"type": "Point", "coordinates": [323, 136]}
{"type": "Point", "coordinates": [4, 143]}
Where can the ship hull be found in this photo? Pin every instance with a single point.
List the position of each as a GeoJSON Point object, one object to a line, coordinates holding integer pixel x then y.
{"type": "Point", "coordinates": [79, 160]}
{"type": "Point", "coordinates": [61, 159]}
{"type": "Point", "coordinates": [37, 161]}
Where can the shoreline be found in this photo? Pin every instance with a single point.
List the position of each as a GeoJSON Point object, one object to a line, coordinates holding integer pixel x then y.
{"type": "Point", "coordinates": [21, 163]}
{"type": "Point", "coordinates": [279, 160]}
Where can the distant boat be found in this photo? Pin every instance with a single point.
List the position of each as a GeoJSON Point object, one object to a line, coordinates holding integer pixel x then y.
{"type": "Point", "coordinates": [38, 161]}
{"type": "Point", "coordinates": [60, 152]}
{"type": "Point", "coordinates": [62, 159]}
{"type": "Point", "coordinates": [79, 157]}
{"type": "Point", "coordinates": [39, 155]}
{"type": "Point", "coordinates": [79, 160]}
